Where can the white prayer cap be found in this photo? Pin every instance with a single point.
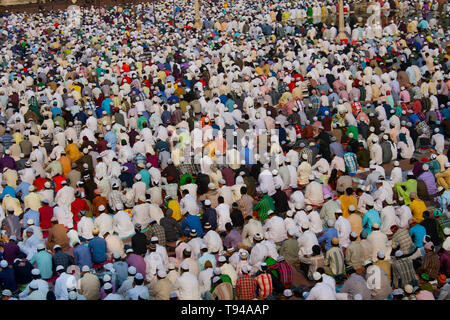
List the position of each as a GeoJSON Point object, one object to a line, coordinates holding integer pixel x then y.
{"type": "Point", "coordinates": [207, 202]}
{"type": "Point", "coordinates": [327, 196]}
{"type": "Point", "coordinates": [132, 270]}
{"type": "Point", "coordinates": [184, 266]}
{"type": "Point", "coordinates": [3, 263]}
{"type": "Point", "coordinates": [101, 208]}
{"type": "Point", "coordinates": [138, 276]}
{"type": "Point", "coordinates": [447, 164]}
{"type": "Point", "coordinates": [211, 186]}
{"type": "Point", "coordinates": [59, 267]}
{"type": "Point", "coordinates": [308, 208]}
{"type": "Point", "coordinates": [222, 181]}
{"type": "Point", "coordinates": [85, 268]}
{"type": "Point", "coordinates": [106, 278]}
{"type": "Point", "coordinates": [305, 225]}
{"type": "Point", "coordinates": [380, 254]}
{"type": "Point", "coordinates": [317, 276]}
{"type": "Point", "coordinates": [351, 208]}
{"type": "Point", "coordinates": [7, 293]}
{"type": "Point", "coordinates": [258, 236]}
{"type": "Point", "coordinates": [107, 286]}
{"type": "Point", "coordinates": [330, 223]}
{"type": "Point", "coordinates": [396, 163]}
{"type": "Point", "coordinates": [447, 231]}
{"type": "Point", "coordinates": [399, 253]}
{"type": "Point", "coordinates": [425, 167]}
{"type": "Point", "coordinates": [162, 274]}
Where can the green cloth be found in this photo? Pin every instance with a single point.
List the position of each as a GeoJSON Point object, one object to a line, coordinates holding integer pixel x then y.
{"type": "Point", "coordinates": [270, 262]}
{"type": "Point", "coordinates": [184, 177]}
{"type": "Point", "coordinates": [140, 121]}
{"type": "Point", "coordinates": [263, 206]}
{"type": "Point", "coordinates": [404, 189]}
{"type": "Point", "coordinates": [353, 130]}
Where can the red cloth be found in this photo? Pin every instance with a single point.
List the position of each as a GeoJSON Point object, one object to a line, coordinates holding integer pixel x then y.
{"type": "Point", "coordinates": [77, 206]}
{"type": "Point", "coordinates": [58, 180]}
{"type": "Point", "coordinates": [45, 216]}
{"type": "Point", "coordinates": [246, 287]}
{"type": "Point", "coordinates": [39, 183]}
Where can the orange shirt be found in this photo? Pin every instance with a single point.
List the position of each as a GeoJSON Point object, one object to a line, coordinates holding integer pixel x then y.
{"type": "Point", "coordinates": [66, 164]}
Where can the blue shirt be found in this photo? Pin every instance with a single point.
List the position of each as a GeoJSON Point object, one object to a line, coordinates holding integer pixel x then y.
{"type": "Point", "coordinates": [82, 256]}
{"type": "Point", "coordinates": [106, 105]}
{"type": "Point", "coordinates": [329, 234]}
{"type": "Point", "coordinates": [112, 139]}
{"type": "Point", "coordinates": [43, 261]}
{"type": "Point", "coordinates": [206, 257]}
{"type": "Point", "coordinates": [7, 279]}
{"type": "Point", "coordinates": [23, 187]}
{"type": "Point", "coordinates": [247, 154]}
{"type": "Point", "coordinates": [370, 217]}
{"type": "Point", "coordinates": [192, 222]}
{"type": "Point", "coordinates": [33, 215]}
{"type": "Point", "coordinates": [121, 270]}
{"type": "Point", "coordinates": [145, 177]}
{"type": "Point", "coordinates": [417, 233]}
{"type": "Point", "coordinates": [8, 190]}
{"type": "Point", "coordinates": [98, 249]}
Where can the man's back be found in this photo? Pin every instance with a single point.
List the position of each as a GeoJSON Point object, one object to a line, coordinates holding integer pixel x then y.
{"type": "Point", "coordinates": [98, 249]}
{"type": "Point", "coordinates": [90, 286]}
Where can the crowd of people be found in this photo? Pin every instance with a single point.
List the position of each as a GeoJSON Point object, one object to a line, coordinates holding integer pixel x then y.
{"type": "Point", "coordinates": [257, 157]}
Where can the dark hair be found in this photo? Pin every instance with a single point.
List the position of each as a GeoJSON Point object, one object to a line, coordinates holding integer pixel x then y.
{"type": "Point", "coordinates": [349, 191]}
{"type": "Point", "coordinates": [243, 190]}
{"type": "Point", "coordinates": [220, 199]}
{"type": "Point", "coordinates": [228, 226]}
{"type": "Point", "coordinates": [316, 250]}
{"type": "Point", "coordinates": [138, 281]}
{"type": "Point", "coordinates": [426, 214]}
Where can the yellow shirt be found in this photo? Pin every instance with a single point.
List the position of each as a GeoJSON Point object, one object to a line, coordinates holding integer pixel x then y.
{"type": "Point", "coordinates": [18, 137]}
{"type": "Point", "coordinates": [346, 201]}
{"type": "Point", "coordinates": [33, 201]}
{"type": "Point", "coordinates": [73, 153]}
{"type": "Point", "coordinates": [417, 208]}
{"type": "Point", "coordinates": [9, 201]}
{"type": "Point", "coordinates": [175, 206]}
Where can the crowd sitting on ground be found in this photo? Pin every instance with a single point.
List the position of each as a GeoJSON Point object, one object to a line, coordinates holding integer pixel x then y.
{"type": "Point", "coordinates": [257, 157]}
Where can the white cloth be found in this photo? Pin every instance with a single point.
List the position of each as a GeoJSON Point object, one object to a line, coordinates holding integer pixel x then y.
{"type": "Point", "coordinates": [344, 228]}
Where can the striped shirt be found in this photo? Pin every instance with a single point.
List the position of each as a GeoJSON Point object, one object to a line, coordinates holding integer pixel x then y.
{"type": "Point", "coordinates": [334, 258]}
{"type": "Point", "coordinates": [246, 287]}
{"type": "Point", "coordinates": [264, 281]}
{"type": "Point", "coordinates": [403, 273]}
{"type": "Point", "coordinates": [351, 162]}
{"type": "Point", "coordinates": [402, 237]}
